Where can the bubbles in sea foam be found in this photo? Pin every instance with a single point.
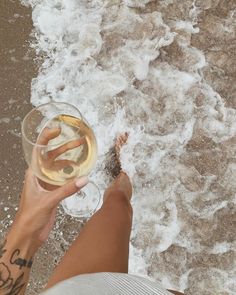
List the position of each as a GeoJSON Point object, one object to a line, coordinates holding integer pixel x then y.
{"type": "Point", "coordinates": [220, 248]}
{"type": "Point", "coordinates": [101, 53]}
{"type": "Point", "coordinates": [137, 262]}
{"type": "Point", "coordinates": [136, 3]}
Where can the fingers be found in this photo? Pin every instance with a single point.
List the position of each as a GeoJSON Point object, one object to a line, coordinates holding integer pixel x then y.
{"type": "Point", "coordinates": [30, 183]}
{"type": "Point", "coordinates": [47, 134]}
{"type": "Point", "coordinates": [61, 164]}
{"type": "Point", "coordinates": [68, 189]}
{"type": "Point", "coordinates": [66, 147]}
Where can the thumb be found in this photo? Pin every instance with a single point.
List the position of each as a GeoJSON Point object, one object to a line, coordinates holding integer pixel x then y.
{"type": "Point", "coordinates": [69, 189]}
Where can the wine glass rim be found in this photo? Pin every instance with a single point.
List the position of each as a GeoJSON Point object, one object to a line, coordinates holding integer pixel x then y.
{"type": "Point", "coordinates": [36, 108]}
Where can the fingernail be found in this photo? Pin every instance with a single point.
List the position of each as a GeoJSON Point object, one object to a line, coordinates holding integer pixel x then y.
{"type": "Point", "coordinates": [82, 181]}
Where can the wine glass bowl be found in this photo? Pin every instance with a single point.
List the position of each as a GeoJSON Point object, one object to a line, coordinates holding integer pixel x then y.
{"type": "Point", "coordinates": [59, 145]}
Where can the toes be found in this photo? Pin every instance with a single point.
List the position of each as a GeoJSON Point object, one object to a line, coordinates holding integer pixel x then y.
{"type": "Point", "coordinates": [120, 141]}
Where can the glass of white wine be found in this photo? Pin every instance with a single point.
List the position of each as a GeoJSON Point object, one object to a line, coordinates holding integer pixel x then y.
{"type": "Point", "coordinates": [59, 145]}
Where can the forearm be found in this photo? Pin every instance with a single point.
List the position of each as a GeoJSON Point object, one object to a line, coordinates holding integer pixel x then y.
{"type": "Point", "coordinates": [16, 256]}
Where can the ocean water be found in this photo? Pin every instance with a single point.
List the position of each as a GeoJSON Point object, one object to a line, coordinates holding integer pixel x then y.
{"type": "Point", "coordinates": [144, 67]}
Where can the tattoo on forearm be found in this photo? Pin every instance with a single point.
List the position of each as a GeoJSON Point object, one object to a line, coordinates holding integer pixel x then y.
{"type": "Point", "coordinates": [15, 259]}
{"type": "Point", "coordinates": [2, 250]}
{"type": "Point", "coordinates": [12, 284]}
{"type": "Point", "coordinates": [7, 283]}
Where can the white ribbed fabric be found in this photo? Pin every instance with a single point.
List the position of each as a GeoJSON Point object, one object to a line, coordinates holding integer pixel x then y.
{"type": "Point", "coordinates": [106, 284]}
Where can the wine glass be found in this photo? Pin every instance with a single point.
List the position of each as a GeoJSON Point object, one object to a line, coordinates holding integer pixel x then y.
{"type": "Point", "coordinates": [59, 145]}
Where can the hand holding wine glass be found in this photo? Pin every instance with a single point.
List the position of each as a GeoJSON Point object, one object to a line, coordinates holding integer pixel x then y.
{"type": "Point", "coordinates": [51, 161]}
{"type": "Point", "coordinates": [59, 145]}
{"type": "Point", "coordinates": [37, 208]}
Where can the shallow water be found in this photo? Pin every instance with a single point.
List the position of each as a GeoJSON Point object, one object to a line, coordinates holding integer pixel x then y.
{"type": "Point", "coordinates": [165, 72]}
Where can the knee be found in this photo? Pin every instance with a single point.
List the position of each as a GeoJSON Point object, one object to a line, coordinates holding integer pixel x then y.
{"type": "Point", "coordinates": [117, 202]}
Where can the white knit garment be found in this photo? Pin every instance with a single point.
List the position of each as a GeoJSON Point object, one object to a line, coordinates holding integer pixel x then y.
{"type": "Point", "coordinates": [106, 284]}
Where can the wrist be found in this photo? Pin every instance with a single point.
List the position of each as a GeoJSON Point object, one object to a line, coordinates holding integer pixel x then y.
{"type": "Point", "coordinates": [20, 237]}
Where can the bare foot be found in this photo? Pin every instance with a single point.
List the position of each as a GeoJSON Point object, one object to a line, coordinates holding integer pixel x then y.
{"type": "Point", "coordinates": [121, 182]}
{"type": "Point", "coordinates": [121, 140]}
{"type": "Point", "coordinates": [112, 161]}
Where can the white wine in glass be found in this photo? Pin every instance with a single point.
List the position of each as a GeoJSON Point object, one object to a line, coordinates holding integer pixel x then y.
{"type": "Point", "coordinates": [59, 145]}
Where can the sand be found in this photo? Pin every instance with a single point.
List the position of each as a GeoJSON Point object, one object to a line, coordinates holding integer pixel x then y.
{"type": "Point", "coordinates": [195, 192]}
{"type": "Point", "coordinates": [17, 70]}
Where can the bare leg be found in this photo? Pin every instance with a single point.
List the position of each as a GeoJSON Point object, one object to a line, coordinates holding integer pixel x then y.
{"type": "Point", "coordinates": [103, 244]}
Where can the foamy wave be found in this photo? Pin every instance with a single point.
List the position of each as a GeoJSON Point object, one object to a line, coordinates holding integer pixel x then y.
{"type": "Point", "coordinates": [115, 64]}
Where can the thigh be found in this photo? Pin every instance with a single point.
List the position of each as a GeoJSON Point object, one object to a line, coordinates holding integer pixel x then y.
{"type": "Point", "coordinates": [103, 244]}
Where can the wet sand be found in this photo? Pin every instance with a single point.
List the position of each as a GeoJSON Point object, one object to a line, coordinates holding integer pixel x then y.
{"type": "Point", "coordinates": [18, 67]}
{"type": "Point", "coordinates": [201, 152]}
{"type": "Point", "coordinates": [17, 70]}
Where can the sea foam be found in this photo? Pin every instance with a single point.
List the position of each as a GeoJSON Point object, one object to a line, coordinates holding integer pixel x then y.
{"type": "Point", "coordinates": [108, 59]}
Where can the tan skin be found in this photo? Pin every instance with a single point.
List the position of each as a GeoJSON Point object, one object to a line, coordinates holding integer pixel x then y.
{"type": "Point", "coordinates": [102, 246]}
